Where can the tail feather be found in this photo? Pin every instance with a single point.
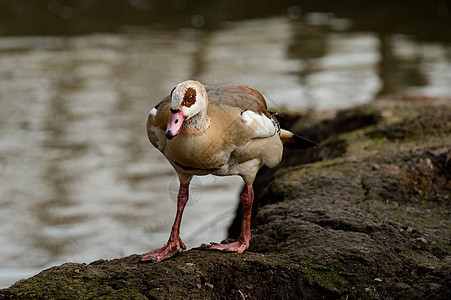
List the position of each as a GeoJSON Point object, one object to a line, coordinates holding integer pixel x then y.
{"type": "Point", "coordinates": [292, 141]}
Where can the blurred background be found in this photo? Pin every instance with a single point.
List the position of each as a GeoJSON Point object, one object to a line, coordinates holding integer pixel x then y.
{"type": "Point", "coordinates": [79, 180]}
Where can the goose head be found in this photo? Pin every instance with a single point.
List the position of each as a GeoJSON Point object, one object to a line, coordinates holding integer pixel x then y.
{"type": "Point", "coordinates": [188, 99]}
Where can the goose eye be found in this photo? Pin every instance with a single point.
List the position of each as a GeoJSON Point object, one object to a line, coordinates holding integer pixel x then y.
{"type": "Point", "coordinates": [190, 97]}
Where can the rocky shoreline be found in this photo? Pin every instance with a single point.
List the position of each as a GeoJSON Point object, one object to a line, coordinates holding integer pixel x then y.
{"type": "Point", "coordinates": [365, 215]}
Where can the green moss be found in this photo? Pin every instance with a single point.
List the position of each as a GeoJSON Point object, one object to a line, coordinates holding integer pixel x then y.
{"type": "Point", "coordinates": [329, 277]}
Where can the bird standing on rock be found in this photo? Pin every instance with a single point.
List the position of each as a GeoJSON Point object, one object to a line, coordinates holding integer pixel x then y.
{"type": "Point", "coordinates": [223, 130]}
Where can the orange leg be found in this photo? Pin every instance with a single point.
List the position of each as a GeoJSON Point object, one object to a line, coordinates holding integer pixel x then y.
{"type": "Point", "coordinates": [247, 197]}
{"type": "Point", "coordinates": [174, 244]}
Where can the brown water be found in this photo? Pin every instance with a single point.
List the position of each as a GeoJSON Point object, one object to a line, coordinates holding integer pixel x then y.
{"type": "Point", "coordinates": [78, 179]}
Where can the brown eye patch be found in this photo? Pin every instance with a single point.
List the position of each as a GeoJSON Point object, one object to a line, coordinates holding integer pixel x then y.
{"type": "Point", "coordinates": [190, 97]}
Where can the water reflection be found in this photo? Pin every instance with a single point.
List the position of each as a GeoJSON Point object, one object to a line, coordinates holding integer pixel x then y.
{"type": "Point", "coordinates": [78, 179]}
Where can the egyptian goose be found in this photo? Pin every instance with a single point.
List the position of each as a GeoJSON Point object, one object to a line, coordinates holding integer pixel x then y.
{"type": "Point", "coordinates": [223, 130]}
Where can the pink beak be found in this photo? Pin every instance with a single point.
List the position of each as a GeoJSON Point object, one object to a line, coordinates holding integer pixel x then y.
{"type": "Point", "coordinates": [175, 123]}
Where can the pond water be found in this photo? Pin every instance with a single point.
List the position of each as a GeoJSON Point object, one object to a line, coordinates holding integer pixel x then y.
{"type": "Point", "coordinates": [79, 180]}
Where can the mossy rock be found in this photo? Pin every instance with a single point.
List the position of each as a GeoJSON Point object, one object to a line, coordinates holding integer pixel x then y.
{"type": "Point", "coordinates": [364, 216]}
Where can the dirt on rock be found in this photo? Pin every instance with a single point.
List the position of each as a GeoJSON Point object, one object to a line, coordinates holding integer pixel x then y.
{"type": "Point", "coordinates": [364, 216]}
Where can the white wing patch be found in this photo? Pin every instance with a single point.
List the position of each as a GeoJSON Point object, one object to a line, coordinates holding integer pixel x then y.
{"type": "Point", "coordinates": [153, 112]}
{"type": "Point", "coordinates": [262, 125]}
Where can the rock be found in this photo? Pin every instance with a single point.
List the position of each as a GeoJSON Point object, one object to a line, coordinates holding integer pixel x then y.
{"type": "Point", "coordinates": [366, 215]}
{"type": "Point", "coordinates": [209, 285]}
